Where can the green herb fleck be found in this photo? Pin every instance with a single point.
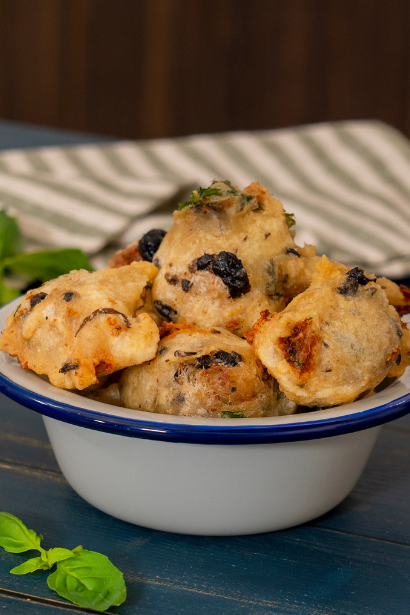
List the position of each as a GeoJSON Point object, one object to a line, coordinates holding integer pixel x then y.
{"type": "Point", "coordinates": [218, 188]}
{"type": "Point", "coordinates": [236, 414]}
{"type": "Point", "coordinates": [290, 220]}
{"type": "Point", "coordinates": [85, 578]}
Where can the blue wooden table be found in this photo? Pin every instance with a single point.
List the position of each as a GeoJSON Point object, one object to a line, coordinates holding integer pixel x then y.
{"type": "Point", "coordinates": [355, 560]}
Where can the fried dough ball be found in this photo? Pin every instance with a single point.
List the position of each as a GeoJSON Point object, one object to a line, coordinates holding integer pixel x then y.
{"type": "Point", "coordinates": [403, 360]}
{"type": "Point", "coordinates": [229, 255]}
{"type": "Point", "coordinates": [398, 295]}
{"type": "Point", "coordinates": [107, 395]}
{"type": "Point", "coordinates": [82, 324]}
{"type": "Point", "coordinates": [203, 373]}
{"type": "Point", "coordinates": [335, 341]}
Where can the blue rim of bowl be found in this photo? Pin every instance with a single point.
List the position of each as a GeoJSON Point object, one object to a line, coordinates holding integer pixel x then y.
{"type": "Point", "coordinates": [206, 434]}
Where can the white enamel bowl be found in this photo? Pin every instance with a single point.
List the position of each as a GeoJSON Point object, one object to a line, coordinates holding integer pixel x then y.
{"type": "Point", "coordinates": [206, 476]}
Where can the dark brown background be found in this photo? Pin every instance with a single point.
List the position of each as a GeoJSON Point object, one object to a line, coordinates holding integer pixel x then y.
{"type": "Point", "coordinates": [153, 68]}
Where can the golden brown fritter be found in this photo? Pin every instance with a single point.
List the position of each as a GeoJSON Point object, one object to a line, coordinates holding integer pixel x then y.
{"type": "Point", "coordinates": [398, 295]}
{"type": "Point", "coordinates": [203, 373]}
{"type": "Point", "coordinates": [229, 255]}
{"type": "Point", "coordinates": [333, 342]}
{"type": "Point", "coordinates": [107, 395]}
{"type": "Point", "coordinates": [126, 256]}
{"type": "Point", "coordinates": [82, 325]}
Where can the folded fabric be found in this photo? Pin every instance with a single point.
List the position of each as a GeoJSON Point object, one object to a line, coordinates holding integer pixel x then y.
{"type": "Point", "coordinates": [348, 184]}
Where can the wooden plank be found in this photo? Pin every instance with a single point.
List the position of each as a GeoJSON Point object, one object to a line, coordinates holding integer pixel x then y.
{"type": "Point", "coordinates": [306, 570]}
{"type": "Point", "coordinates": [20, 604]}
{"type": "Point", "coordinates": [23, 438]}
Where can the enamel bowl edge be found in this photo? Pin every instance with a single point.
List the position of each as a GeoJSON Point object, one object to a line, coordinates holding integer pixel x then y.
{"type": "Point", "coordinates": [204, 476]}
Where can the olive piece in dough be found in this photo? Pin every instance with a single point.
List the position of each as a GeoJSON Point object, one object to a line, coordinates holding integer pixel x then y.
{"type": "Point", "coordinates": [203, 373]}
{"type": "Point", "coordinates": [333, 342]}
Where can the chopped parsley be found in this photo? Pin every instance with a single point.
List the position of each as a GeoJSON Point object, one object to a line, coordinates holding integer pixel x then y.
{"type": "Point", "coordinates": [290, 220]}
{"type": "Point", "coordinates": [218, 188]}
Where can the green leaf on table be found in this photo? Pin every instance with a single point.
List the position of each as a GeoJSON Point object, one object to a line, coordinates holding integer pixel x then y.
{"type": "Point", "coordinates": [15, 537]}
{"type": "Point", "coordinates": [89, 580]}
{"type": "Point", "coordinates": [9, 235]}
{"type": "Point", "coordinates": [31, 565]}
{"type": "Point", "coordinates": [48, 264]}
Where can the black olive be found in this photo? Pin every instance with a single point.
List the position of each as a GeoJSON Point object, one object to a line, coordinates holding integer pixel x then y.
{"type": "Point", "coordinates": [186, 285]}
{"type": "Point", "coordinates": [293, 251]}
{"type": "Point", "coordinates": [221, 357]}
{"type": "Point", "coordinates": [171, 279]}
{"type": "Point", "coordinates": [228, 358]}
{"type": "Point", "coordinates": [204, 261]}
{"type": "Point", "coordinates": [354, 277]}
{"type": "Point", "coordinates": [103, 311]}
{"type": "Point", "coordinates": [203, 362]}
{"type": "Point", "coordinates": [358, 274]}
{"type": "Point", "coordinates": [68, 366]}
{"type": "Point", "coordinates": [68, 296]}
{"type": "Point", "coordinates": [165, 310]}
{"type": "Point", "coordinates": [150, 242]}
{"type": "Point", "coordinates": [184, 353]}
{"type": "Point", "coordinates": [35, 299]}
{"type": "Point", "coordinates": [233, 274]}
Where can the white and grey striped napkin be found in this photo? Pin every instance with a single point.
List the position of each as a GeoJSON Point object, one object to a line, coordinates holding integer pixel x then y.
{"type": "Point", "coordinates": [348, 184]}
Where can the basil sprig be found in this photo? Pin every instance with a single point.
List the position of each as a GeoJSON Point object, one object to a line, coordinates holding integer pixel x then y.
{"type": "Point", "coordinates": [41, 266]}
{"type": "Point", "coordinates": [85, 578]}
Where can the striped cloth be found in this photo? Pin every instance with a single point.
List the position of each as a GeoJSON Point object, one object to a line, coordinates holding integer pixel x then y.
{"type": "Point", "coordinates": [348, 184]}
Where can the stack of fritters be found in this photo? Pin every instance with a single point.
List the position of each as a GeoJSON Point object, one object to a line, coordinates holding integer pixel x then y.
{"type": "Point", "coordinates": [317, 333]}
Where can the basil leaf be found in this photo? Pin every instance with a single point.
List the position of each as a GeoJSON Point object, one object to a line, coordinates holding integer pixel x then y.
{"type": "Point", "coordinates": [49, 264]}
{"type": "Point", "coordinates": [7, 294]}
{"type": "Point", "coordinates": [89, 580]}
{"type": "Point", "coordinates": [290, 220]}
{"type": "Point", "coordinates": [9, 235]}
{"type": "Point", "coordinates": [31, 565]}
{"type": "Point", "coordinates": [57, 555]}
{"type": "Point", "coordinates": [15, 537]}
{"type": "Point", "coordinates": [236, 414]}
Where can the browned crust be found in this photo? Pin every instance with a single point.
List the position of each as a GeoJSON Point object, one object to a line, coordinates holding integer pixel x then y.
{"type": "Point", "coordinates": [250, 335]}
{"type": "Point", "coordinates": [404, 309]}
{"type": "Point", "coordinates": [126, 256]}
{"type": "Point", "coordinates": [300, 347]}
{"type": "Point", "coordinates": [169, 328]}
